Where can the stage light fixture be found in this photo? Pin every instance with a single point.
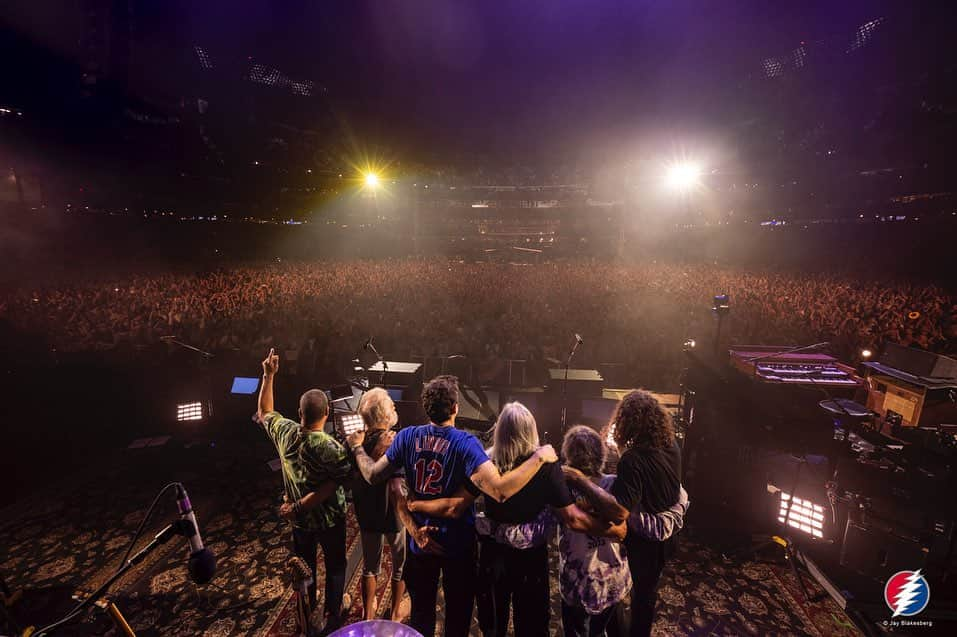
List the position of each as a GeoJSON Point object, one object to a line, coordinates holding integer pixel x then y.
{"type": "Point", "coordinates": [805, 516]}
{"type": "Point", "coordinates": [866, 353]}
{"type": "Point", "coordinates": [372, 180]}
{"type": "Point", "coordinates": [204, 60]}
{"type": "Point", "coordinates": [189, 411]}
{"type": "Point", "coordinates": [351, 423]}
{"type": "Point", "coordinates": [722, 304]}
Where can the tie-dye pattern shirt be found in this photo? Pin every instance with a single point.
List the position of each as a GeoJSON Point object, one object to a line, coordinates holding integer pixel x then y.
{"type": "Point", "coordinates": [309, 458]}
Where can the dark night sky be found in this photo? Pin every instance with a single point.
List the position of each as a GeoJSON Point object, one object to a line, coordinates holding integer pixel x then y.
{"type": "Point", "coordinates": [456, 78]}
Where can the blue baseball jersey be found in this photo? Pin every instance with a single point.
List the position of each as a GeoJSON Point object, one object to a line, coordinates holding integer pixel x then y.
{"type": "Point", "coordinates": [437, 461]}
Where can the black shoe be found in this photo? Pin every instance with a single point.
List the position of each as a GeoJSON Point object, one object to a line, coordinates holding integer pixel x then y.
{"type": "Point", "coordinates": [333, 623]}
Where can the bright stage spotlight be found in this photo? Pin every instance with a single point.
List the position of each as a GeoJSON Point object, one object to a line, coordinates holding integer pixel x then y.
{"type": "Point", "coordinates": [866, 354]}
{"type": "Point", "coordinates": [372, 180]}
{"type": "Point", "coordinates": [189, 411]}
{"type": "Point", "coordinates": [351, 423]}
{"type": "Point", "coordinates": [804, 515]}
{"type": "Point", "coordinates": [683, 175]}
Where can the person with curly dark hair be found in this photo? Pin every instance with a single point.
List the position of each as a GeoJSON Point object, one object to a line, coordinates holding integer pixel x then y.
{"type": "Point", "coordinates": [440, 461]}
{"type": "Point", "coordinates": [649, 481]}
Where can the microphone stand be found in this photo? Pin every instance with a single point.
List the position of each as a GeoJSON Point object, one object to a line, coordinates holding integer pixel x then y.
{"type": "Point", "coordinates": [385, 366]}
{"type": "Point", "coordinates": [172, 340]}
{"type": "Point", "coordinates": [203, 367]}
{"type": "Point", "coordinates": [568, 362]}
{"type": "Point", "coordinates": [790, 350]}
{"type": "Point", "coordinates": [179, 527]}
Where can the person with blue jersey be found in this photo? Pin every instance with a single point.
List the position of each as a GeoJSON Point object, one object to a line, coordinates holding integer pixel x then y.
{"type": "Point", "coordinates": [438, 460]}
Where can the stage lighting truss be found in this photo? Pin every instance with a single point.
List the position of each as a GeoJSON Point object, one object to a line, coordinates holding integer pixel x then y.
{"type": "Point", "coordinates": [864, 34]}
{"type": "Point", "coordinates": [203, 57]}
{"type": "Point", "coordinates": [351, 423]}
{"type": "Point", "coordinates": [773, 67]}
{"type": "Point", "coordinates": [189, 411]}
{"type": "Point", "coordinates": [806, 516]}
{"type": "Point", "coordinates": [270, 76]}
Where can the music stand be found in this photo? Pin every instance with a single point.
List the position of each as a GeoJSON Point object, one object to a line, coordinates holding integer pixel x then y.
{"type": "Point", "coordinates": [784, 540]}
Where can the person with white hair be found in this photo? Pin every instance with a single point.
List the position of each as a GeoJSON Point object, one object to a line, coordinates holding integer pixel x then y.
{"type": "Point", "coordinates": [375, 509]}
{"type": "Point", "coordinates": [440, 460]}
{"type": "Point", "coordinates": [515, 578]}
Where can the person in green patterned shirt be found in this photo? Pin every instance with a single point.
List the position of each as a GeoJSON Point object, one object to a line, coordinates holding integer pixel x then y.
{"type": "Point", "coordinates": [314, 466]}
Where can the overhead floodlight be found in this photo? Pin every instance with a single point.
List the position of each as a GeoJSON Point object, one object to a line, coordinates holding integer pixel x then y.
{"type": "Point", "coordinates": [683, 175]}
{"type": "Point", "coordinates": [372, 180]}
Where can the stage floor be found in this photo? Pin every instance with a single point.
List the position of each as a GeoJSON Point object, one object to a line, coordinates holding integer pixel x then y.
{"type": "Point", "coordinates": [70, 537]}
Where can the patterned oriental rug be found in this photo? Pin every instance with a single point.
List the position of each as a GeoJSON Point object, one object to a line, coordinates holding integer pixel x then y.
{"type": "Point", "coordinates": [71, 539]}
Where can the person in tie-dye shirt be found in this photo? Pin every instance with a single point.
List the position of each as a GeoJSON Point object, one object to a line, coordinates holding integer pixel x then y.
{"type": "Point", "coordinates": [314, 465]}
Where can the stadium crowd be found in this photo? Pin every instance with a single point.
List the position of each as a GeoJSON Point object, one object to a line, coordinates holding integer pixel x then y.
{"type": "Point", "coordinates": [638, 315]}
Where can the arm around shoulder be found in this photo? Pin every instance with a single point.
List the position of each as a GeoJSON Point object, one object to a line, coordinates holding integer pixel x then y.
{"type": "Point", "coordinates": [501, 487]}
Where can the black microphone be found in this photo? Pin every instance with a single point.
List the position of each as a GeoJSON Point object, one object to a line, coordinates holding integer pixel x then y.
{"type": "Point", "coordinates": [202, 561]}
{"type": "Point", "coordinates": [371, 347]}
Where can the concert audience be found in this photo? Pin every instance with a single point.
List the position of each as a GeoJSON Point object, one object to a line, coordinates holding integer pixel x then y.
{"type": "Point", "coordinates": [634, 314]}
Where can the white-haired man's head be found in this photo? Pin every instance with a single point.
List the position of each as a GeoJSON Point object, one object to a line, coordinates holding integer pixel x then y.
{"type": "Point", "coordinates": [377, 409]}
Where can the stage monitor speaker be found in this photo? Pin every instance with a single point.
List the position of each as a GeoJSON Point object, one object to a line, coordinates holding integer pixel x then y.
{"type": "Point", "coordinates": [597, 412]}
{"type": "Point", "coordinates": [410, 413]}
{"type": "Point", "coordinates": [477, 404]}
{"type": "Point", "coordinates": [534, 400]}
{"type": "Point", "coordinates": [879, 553]}
{"type": "Point", "coordinates": [581, 382]}
{"type": "Point", "coordinates": [918, 362]}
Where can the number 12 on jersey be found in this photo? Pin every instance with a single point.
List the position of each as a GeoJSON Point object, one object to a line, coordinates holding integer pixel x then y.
{"type": "Point", "coordinates": [428, 476]}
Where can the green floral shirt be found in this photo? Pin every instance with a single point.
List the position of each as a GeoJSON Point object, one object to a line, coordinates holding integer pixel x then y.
{"type": "Point", "coordinates": [309, 459]}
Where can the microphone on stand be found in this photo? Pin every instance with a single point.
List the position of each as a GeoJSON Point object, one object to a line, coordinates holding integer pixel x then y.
{"type": "Point", "coordinates": [370, 347]}
{"type": "Point", "coordinates": [578, 342]}
{"type": "Point", "coordinates": [202, 561]}
{"type": "Point", "coordinates": [201, 566]}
